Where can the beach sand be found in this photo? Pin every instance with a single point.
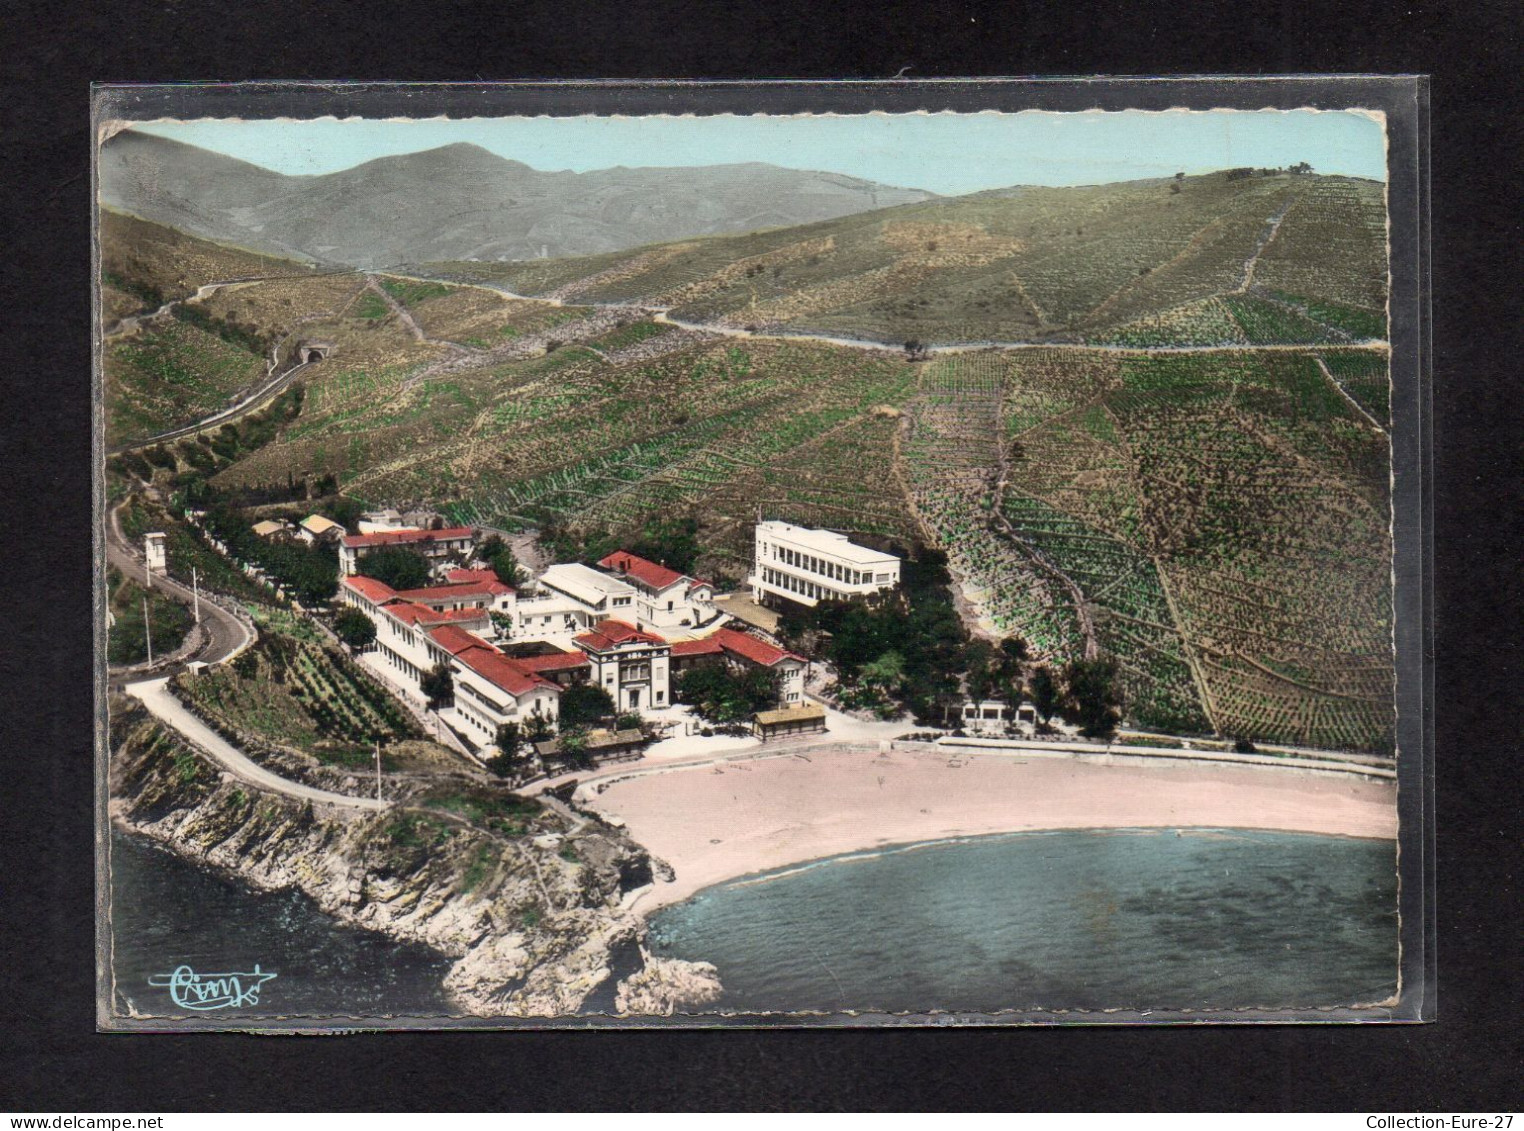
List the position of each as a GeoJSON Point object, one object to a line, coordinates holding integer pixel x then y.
{"type": "Point", "coordinates": [717, 822]}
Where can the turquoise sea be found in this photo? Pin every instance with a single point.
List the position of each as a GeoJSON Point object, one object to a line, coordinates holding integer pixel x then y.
{"type": "Point", "coordinates": [1200, 919]}
{"type": "Point", "coordinates": [1149, 919]}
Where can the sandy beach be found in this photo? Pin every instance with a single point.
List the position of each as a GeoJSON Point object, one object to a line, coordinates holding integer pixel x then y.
{"type": "Point", "coordinates": [717, 822]}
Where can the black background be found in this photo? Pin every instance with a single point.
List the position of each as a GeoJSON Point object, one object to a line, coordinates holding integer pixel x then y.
{"type": "Point", "coordinates": [50, 1056]}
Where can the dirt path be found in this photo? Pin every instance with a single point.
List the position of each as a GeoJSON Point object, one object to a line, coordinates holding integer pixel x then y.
{"type": "Point", "coordinates": [663, 315]}
{"type": "Point", "coordinates": [1265, 239]}
{"type": "Point", "coordinates": [1334, 381]}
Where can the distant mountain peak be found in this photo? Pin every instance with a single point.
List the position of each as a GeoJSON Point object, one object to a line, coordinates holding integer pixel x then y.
{"type": "Point", "coordinates": [462, 201]}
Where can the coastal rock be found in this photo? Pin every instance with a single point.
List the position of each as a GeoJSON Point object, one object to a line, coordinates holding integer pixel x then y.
{"type": "Point", "coordinates": [668, 985]}
{"type": "Point", "coordinates": [532, 929]}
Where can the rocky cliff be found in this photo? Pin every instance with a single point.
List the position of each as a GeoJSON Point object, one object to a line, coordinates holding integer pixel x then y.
{"type": "Point", "coordinates": [526, 902]}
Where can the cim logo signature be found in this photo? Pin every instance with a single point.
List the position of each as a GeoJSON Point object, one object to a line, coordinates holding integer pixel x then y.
{"type": "Point", "coordinates": [190, 990]}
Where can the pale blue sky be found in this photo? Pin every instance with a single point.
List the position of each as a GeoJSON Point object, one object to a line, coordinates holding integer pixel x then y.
{"type": "Point", "coordinates": [944, 153]}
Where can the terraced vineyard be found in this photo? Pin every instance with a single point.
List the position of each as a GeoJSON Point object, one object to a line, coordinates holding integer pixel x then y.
{"type": "Point", "coordinates": [302, 694]}
{"type": "Point", "coordinates": [952, 452]}
{"type": "Point", "coordinates": [1216, 521]}
{"type": "Point", "coordinates": [1296, 259]}
{"type": "Point", "coordinates": [170, 373]}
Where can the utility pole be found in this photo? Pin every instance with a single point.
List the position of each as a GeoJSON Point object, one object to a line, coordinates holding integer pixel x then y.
{"type": "Point", "coordinates": [378, 770]}
{"type": "Point", "coordinates": [196, 594]}
{"type": "Point", "coordinates": [147, 630]}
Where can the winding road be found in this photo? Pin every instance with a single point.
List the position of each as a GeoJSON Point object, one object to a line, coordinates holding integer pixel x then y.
{"type": "Point", "coordinates": [273, 385]}
{"type": "Point", "coordinates": [226, 635]}
{"type": "Point", "coordinates": [154, 694]}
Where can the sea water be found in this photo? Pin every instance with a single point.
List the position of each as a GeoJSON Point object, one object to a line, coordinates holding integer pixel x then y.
{"type": "Point", "coordinates": [1148, 919]}
{"type": "Point", "coordinates": [168, 913]}
{"type": "Point", "coordinates": [1194, 919]}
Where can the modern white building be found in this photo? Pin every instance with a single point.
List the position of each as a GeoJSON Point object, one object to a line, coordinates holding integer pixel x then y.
{"type": "Point", "coordinates": [807, 566]}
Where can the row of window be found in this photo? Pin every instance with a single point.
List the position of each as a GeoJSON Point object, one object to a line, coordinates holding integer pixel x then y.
{"type": "Point", "coordinates": [834, 570]}
{"type": "Point", "coordinates": [781, 580]}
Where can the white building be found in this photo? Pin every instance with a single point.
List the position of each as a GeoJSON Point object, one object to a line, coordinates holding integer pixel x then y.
{"type": "Point", "coordinates": [807, 566]}
{"type": "Point", "coordinates": [438, 546]}
{"type": "Point", "coordinates": [664, 598]}
{"type": "Point", "coordinates": [631, 665]}
{"type": "Point", "coordinates": [413, 637]}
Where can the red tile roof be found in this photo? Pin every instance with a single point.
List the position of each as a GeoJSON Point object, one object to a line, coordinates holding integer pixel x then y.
{"type": "Point", "coordinates": [462, 592]}
{"type": "Point", "coordinates": [411, 614]}
{"type": "Point", "coordinates": [706, 647]}
{"type": "Point", "coordinates": [464, 576]}
{"type": "Point", "coordinates": [609, 634]}
{"type": "Point", "coordinates": [406, 537]}
{"type": "Point", "coordinates": [407, 612]}
{"type": "Point", "coordinates": [554, 662]}
{"type": "Point", "coordinates": [487, 662]}
{"type": "Point", "coordinates": [498, 669]}
{"type": "Point", "coordinates": [750, 648]}
{"type": "Point", "coordinates": [648, 573]}
{"type": "Point", "coordinates": [369, 588]}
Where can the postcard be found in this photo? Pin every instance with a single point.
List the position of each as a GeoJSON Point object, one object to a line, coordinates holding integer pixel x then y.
{"type": "Point", "coordinates": [602, 566]}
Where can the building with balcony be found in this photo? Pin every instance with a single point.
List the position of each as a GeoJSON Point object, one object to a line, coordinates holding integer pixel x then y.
{"type": "Point", "coordinates": [807, 566]}
{"type": "Point", "coordinates": [631, 665]}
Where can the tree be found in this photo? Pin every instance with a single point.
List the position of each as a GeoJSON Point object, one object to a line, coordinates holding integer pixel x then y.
{"type": "Point", "coordinates": [671, 541]}
{"type": "Point", "coordinates": [982, 675]}
{"type": "Point", "coordinates": [354, 628]}
{"type": "Point", "coordinates": [584, 703]}
{"type": "Point", "coordinates": [438, 685]}
{"type": "Point", "coordinates": [537, 728]}
{"type": "Point", "coordinates": [506, 567]}
{"type": "Point", "coordinates": [1093, 691]}
{"type": "Point", "coordinates": [1179, 180]}
{"type": "Point", "coordinates": [512, 751]}
{"type": "Point", "coordinates": [723, 695]}
{"type": "Point", "coordinates": [489, 548]}
{"type": "Point", "coordinates": [1044, 693]}
{"type": "Point", "coordinates": [397, 566]}
{"type": "Point", "coordinates": [574, 747]}
{"type": "Point", "coordinates": [1015, 648]}
{"type": "Point", "coordinates": [915, 349]}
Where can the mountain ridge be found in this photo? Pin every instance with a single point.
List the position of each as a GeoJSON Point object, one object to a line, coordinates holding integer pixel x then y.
{"type": "Point", "coordinates": [461, 201]}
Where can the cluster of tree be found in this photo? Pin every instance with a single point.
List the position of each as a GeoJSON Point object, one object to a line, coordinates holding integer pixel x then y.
{"type": "Point", "coordinates": [671, 540]}
{"type": "Point", "coordinates": [724, 695]}
{"type": "Point", "coordinates": [310, 573]}
{"type": "Point", "coordinates": [1093, 698]}
{"type": "Point", "coordinates": [354, 628]}
{"type": "Point", "coordinates": [398, 567]}
{"type": "Point", "coordinates": [515, 745]}
{"type": "Point", "coordinates": [585, 704]}
{"type": "Point", "coordinates": [152, 296]}
{"type": "Point", "coordinates": [499, 558]}
{"type": "Point", "coordinates": [908, 647]}
{"type": "Point", "coordinates": [127, 642]}
{"type": "Point", "coordinates": [1244, 172]}
{"type": "Point", "coordinates": [438, 686]}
